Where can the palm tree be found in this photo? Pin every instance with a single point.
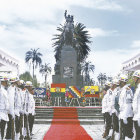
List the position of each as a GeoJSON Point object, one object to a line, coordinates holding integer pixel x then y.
{"type": "Point", "coordinates": [109, 78]}
{"type": "Point", "coordinates": [92, 82]}
{"type": "Point", "coordinates": [45, 69]}
{"type": "Point", "coordinates": [34, 57]}
{"type": "Point", "coordinates": [87, 67]}
{"type": "Point", "coordinates": [102, 78]}
{"type": "Point", "coordinates": [80, 43]}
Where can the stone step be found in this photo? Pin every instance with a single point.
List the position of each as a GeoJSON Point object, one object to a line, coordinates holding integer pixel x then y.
{"type": "Point", "coordinates": [86, 115]}
{"type": "Point", "coordinates": [79, 117]}
{"type": "Point", "coordinates": [82, 121]}
{"type": "Point", "coordinates": [79, 114]}
{"type": "Point", "coordinates": [48, 110]}
{"type": "Point", "coordinates": [78, 108]}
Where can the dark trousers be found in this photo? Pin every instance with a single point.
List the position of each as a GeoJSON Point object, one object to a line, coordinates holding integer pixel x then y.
{"type": "Point", "coordinates": [21, 123]}
{"type": "Point", "coordinates": [108, 119]}
{"type": "Point", "coordinates": [104, 118]}
{"type": "Point", "coordinates": [115, 123]}
{"type": "Point", "coordinates": [26, 124]}
{"type": "Point", "coordinates": [17, 124]}
{"type": "Point", "coordinates": [9, 127]}
{"type": "Point", "coordinates": [128, 128]}
{"type": "Point", "coordinates": [31, 122]}
{"type": "Point", "coordinates": [122, 135]}
{"type": "Point", "coordinates": [2, 128]}
{"type": "Point", "coordinates": [137, 128]}
{"type": "Point", "coordinates": [25, 120]}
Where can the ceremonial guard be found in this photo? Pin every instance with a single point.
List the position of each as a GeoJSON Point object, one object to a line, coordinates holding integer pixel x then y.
{"type": "Point", "coordinates": [22, 95]}
{"type": "Point", "coordinates": [106, 110]}
{"type": "Point", "coordinates": [31, 109]}
{"type": "Point", "coordinates": [110, 110]}
{"type": "Point", "coordinates": [136, 104]}
{"type": "Point", "coordinates": [13, 107]}
{"type": "Point", "coordinates": [4, 104]}
{"type": "Point", "coordinates": [115, 104]}
{"type": "Point", "coordinates": [115, 109]}
{"type": "Point", "coordinates": [126, 112]}
{"type": "Point", "coordinates": [18, 105]}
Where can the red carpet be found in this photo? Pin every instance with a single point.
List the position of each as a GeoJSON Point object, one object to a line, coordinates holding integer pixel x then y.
{"type": "Point", "coordinates": [66, 126]}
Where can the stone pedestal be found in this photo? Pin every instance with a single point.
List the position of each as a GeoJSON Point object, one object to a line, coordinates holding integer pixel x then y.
{"type": "Point", "coordinates": [68, 68]}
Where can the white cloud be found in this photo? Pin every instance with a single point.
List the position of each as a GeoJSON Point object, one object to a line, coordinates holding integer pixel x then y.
{"type": "Point", "coordinates": [42, 10]}
{"type": "Point", "coordinates": [110, 62]}
{"type": "Point", "coordinates": [104, 5]}
{"type": "Point", "coordinates": [98, 32]}
{"type": "Point", "coordinates": [136, 44]}
{"type": "Point", "coordinates": [31, 24]}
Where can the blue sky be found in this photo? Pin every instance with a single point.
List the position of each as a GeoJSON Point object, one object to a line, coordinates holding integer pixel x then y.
{"type": "Point", "coordinates": [114, 26]}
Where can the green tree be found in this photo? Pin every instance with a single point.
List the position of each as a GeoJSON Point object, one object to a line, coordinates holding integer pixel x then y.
{"type": "Point", "coordinates": [34, 57]}
{"type": "Point", "coordinates": [27, 77]}
{"type": "Point", "coordinates": [130, 79]}
{"type": "Point", "coordinates": [45, 70]}
{"type": "Point", "coordinates": [102, 78]}
{"type": "Point", "coordinates": [80, 43]}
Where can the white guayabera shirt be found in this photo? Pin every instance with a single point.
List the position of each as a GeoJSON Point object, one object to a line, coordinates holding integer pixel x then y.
{"type": "Point", "coordinates": [4, 104]}
{"type": "Point", "coordinates": [125, 102]}
{"type": "Point", "coordinates": [136, 104]}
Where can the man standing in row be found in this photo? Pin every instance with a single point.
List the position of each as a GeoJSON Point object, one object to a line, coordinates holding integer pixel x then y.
{"type": "Point", "coordinates": [126, 112]}
{"type": "Point", "coordinates": [12, 94]}
{"type": "Point", "coordinates": [106, 109]}
{"type": "Point", "coordinates": [4, 104]}
{"type": "Point", "coordinates": [31, 109]}
{"type": "Point", "coordinates": [136, 104]}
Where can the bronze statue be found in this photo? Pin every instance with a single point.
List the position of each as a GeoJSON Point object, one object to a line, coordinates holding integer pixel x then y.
{"type": "Point", "coordinates": [68, 29]}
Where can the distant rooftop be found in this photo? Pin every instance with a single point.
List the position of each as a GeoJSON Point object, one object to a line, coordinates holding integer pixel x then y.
{"type": "Point", "coordinates": [10, 57]}
{"type": "Point", "coordinates": [131, 58]}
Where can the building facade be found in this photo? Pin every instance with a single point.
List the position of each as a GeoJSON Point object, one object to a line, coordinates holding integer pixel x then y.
{"type": "Point", "coordinates": [8, 63]}
{"type": "Point", "coordinates": [132, 64]}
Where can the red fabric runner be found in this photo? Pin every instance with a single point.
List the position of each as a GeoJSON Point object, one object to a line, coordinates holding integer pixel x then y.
{"type": "Point", "coordinates": [66, 126]}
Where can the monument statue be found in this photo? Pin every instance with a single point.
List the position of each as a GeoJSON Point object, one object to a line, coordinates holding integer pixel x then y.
{"type": "Point", "coordinates": [68, 29]}
{"type": "Point", "coordinates": [67, 67]}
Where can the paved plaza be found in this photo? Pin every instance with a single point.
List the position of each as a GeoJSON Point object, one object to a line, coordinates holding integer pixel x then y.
{"type": "Point", "coordinates": [95, 131]}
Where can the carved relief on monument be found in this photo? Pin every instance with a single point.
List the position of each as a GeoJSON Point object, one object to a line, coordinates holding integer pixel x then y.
{"type": "Point", "coordinates": [68, 72]}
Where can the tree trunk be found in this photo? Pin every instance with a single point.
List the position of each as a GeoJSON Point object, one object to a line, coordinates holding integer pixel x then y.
{"type": "Point", "coordinates": [46, 80]}
{"type": "Point", "coordinates": [33, 72]}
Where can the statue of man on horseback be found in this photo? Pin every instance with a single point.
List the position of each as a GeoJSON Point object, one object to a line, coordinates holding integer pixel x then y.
{"type": "Point", "coordinates": [68, 29]}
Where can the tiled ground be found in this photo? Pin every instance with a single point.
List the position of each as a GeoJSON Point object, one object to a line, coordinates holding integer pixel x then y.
{"type": "Point", "coordinates": [95, 131]}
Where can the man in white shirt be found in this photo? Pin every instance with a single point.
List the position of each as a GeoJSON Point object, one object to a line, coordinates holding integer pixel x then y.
{"type": "Point", "coordinates": [115, 111]}
{"type": "Point", "coordinates": [106, 109]}
{"type": "Point", "coordinates": [22, 95]}
{"type": "Point", "coordinates": [136, 104]}
{"type": "Point", "coordinates": [31, 109]}
{"type": "Point", "coordinates": [18, 108]}
{"type": "Point", "coordinates": [10, 134]}
{"type": "Point", "coordinates": [4, 104]}
{"type": "Point", "coordinates": [126, 112]}
{"type": "Point", "coordinates": [115, 119]}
